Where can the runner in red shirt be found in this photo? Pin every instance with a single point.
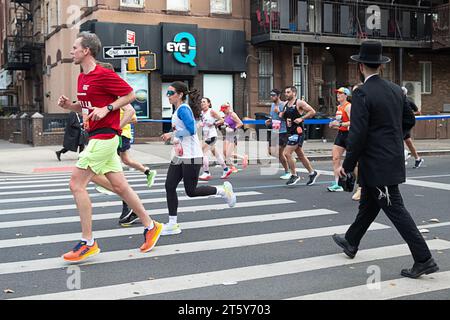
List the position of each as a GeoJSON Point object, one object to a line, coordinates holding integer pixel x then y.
{"type": "Point", "coordinates": [98, 89]}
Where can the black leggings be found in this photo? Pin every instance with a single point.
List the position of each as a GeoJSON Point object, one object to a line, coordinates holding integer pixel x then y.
{"type": "Point", "coordinates": [189, 174]}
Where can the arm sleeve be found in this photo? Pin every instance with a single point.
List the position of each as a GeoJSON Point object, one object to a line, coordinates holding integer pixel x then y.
{"type": "Point", "coordinates": [358, 134]}
{"type": "Point", "coordinates": [185, 115]}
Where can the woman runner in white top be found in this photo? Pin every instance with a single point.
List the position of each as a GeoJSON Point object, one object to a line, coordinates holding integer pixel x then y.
{"type": "Point", "coordinates": [208, 124]}
{"type": "Point", "coordinates": [188, 157]}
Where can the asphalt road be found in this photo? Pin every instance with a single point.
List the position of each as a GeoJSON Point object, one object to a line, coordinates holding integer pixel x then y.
{"type": "Point", "coordinates": [276, 244]}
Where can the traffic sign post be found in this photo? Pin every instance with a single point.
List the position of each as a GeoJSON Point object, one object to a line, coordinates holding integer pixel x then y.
{"type": "Point", "coordinates": [122, 52]}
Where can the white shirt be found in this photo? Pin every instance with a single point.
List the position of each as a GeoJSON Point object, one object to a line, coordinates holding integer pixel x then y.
{"type": "Point", "coordinates": [191, 144]}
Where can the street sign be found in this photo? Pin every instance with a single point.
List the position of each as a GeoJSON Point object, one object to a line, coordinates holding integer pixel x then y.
{"type": "Point", "coordinates": [131, 37]}
{"type": "Point", "coordinates": [120, 52]}
{"type": "Point", "coordinates": [147, 61]}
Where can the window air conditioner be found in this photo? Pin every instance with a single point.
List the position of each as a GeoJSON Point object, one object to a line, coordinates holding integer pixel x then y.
{"type": "Point", "coordinates": [414, 92]}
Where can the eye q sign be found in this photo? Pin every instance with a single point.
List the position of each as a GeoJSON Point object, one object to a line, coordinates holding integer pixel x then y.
{"type": "Point", "coordinates": [183, 52]}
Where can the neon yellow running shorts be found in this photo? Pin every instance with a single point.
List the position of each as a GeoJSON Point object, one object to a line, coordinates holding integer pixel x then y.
{"type": "Point", "coordinates": [101, 156]}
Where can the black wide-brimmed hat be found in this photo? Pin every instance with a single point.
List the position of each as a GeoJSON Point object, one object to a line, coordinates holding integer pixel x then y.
{"type": "Point", "coordinates": [371, 52]}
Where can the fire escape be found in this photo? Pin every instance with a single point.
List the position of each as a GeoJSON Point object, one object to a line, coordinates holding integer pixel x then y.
{"type": "Point", "coordinates": [22, 48]}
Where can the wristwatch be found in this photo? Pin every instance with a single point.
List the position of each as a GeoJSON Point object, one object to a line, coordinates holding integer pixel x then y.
{"type": "Point", "coordinates": [110, 107]}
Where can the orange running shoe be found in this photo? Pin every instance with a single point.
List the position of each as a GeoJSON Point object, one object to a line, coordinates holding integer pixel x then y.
{"type": "Point", "coordinates": [151, 237]}
{"type": "Point", "coordinates": [81, 252]}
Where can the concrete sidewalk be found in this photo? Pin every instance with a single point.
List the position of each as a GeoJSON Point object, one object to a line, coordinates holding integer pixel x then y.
{"type": "Point", "coordinates": [19, 158]}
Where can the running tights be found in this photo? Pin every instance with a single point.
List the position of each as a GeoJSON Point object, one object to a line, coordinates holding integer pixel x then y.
{"type": "Point", "coordinates": [189, 174]}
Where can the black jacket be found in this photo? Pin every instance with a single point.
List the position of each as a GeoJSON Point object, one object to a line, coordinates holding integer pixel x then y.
{"type": "Point", "coordinates": [380, 116]}
{"type": "Point", "coordinates": [72, 133]}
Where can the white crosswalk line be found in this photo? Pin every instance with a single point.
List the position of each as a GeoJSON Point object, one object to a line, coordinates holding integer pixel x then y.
{"type": "Point", "coordinates": [208, 279]}
{"type": "Point", "coordinates": [109, 204]}
{"type": "Point", "coordinates": [198, 246]}
{"type": "Point", "coordinates": [390, 289]}
{"type": "Point", "coordinates": [154, 212]}
{"type": "Point", "coordinates": [44, 177]}
{"type": "Point", "coordinates": [40, 183]}
{"type": "Point", "coordinates": [434, 225]}
{"type": "Point", "coordinates": [428, 184]}
{"type": "Point", "coordinates": [70, 196]}
{"type": "Point", "coordinates": [67, 190]}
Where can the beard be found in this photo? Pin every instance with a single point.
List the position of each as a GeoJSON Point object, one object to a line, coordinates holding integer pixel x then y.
{"type": "Point", "coordinates": [362, 78]}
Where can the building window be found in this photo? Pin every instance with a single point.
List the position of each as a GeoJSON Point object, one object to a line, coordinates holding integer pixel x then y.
{"type": "Point", "coordinates": [298, 71]}
{"type": "Point", "coordinates": [221, 6]}
{"type": "Point", "coordinates": [132, 3]}
{"type": "Point", "coordinates": [265, 74]}
{"type": "Point", "coordinates": [49, 17]}
{"type": "Point", "coordinates": [425, 68]}
{"type": "Point", "coordinates": [178, 5]}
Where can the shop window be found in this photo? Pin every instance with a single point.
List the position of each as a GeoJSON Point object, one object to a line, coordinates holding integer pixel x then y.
{"type": "Point", "coordinates": [178, 5]}
{"type": "Point", "coordinates": [425, 67]}
{"type": "Point", "coordinates": [265, 74]}
{"type": "Point", "coordinates": [132, 3]}
{"type": "Point", "coordinates": [221, 6]}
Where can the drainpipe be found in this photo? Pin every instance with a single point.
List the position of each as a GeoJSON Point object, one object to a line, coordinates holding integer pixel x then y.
{"type": "Point", "coordinates": [400, 62]}
{"type": "Point", "coordinates": [302, 81]}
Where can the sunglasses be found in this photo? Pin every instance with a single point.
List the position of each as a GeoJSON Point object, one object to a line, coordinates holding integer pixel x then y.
{"type": "Point", "coordinates": [170, 93]}
{"type": "Point", "coordinates": [273, 95]}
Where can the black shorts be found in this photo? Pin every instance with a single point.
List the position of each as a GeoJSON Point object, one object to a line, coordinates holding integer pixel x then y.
{"type": "Point", "coordinates": [126, 145]}
{"type": "Point", "coordinates": [341, 139]}
{"type": "Point", "coordinates": [282, 140]}
{"type": "Point", "coordinates": [295, 140]}
{"type": "Point", "coordinates": [211, 141]}
{"type": "Point", "coordinates": [407, 135]}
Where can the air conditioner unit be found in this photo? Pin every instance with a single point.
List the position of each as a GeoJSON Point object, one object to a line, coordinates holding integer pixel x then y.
{"type": "Point", "coordinates": [414, 92]}
{"type": "Point", "coordinates": [298, 60]}
{"type": "Point", "coordinates": [47, 70]}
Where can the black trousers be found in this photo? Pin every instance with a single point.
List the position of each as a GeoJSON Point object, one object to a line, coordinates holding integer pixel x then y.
{"type": "Point", "coordinates": [189, 174]}
{"type": "Point", "coordinates": [369, 206]}
{"type": "Point", "coordinates": [80, 148]}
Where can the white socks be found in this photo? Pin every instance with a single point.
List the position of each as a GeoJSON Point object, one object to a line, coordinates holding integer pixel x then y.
{"type": "Point", "coordinates": [90, 243]}
{"type": "Point", "coordinates": [220, 191]}
{"type": "Point", "coordinates": [151, 226]}
{"type": "Point", "coordinates": [172, 219]}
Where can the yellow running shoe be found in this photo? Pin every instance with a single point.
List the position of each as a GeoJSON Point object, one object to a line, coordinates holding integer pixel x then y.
{"type": "Point", "coordinates": [81, 252]}
{"type": "Point", "coordinates": [151, 237]}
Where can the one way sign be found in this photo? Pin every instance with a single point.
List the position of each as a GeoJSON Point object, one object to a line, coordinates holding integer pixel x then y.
{"type": "Point", "coordinates": [120, 52]}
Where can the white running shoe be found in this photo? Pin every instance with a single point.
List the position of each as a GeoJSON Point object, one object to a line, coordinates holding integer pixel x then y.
{"type": "Point", "coordinates": [205, 176]}
{"type": "Point", "coordinates": [226, 173]}
{"type": "Point", "coordinates": [104, 191]}
{"type": "Point", "coordinates": [285, 176]}
{"type": "Point", "coordinates": [170, 229]}
{"type": "Point", "coordinates": [229, 194]}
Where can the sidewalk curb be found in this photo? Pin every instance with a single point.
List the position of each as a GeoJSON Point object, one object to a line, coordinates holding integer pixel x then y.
{"type": "Point", "coordinates": [252, 162]}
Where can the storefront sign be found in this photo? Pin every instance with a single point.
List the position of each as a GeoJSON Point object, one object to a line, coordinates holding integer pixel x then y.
{"type": "Point", "coordinates": [183, 52]}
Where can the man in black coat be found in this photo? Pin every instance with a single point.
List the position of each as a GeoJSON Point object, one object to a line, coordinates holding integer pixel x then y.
{"type": "Point", "coordinates": [72, 136]}
{"type": "Point", "coordinates": [380, 116]}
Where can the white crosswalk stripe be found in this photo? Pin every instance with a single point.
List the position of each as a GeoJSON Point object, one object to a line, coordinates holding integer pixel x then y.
{"type": "Point", "coordinates": [291, 225]}
{"type": "Point", "coordinates": [157, 286]}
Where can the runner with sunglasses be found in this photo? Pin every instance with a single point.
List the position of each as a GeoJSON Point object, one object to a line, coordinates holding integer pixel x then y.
{"type": "Point", "coordinates": [187, 158]}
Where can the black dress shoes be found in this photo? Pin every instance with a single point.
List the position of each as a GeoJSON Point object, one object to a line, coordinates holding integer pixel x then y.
{"type": "Point", "coordinates": [349, 250]}
{"type": "Point", "coordinates": [58, 155]}
{"type": "Point", "coordinates": [419, 269]}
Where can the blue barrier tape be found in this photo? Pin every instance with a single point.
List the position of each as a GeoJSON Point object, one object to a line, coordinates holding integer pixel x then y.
{"type": "Point", "coordinates": [308, 121]}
